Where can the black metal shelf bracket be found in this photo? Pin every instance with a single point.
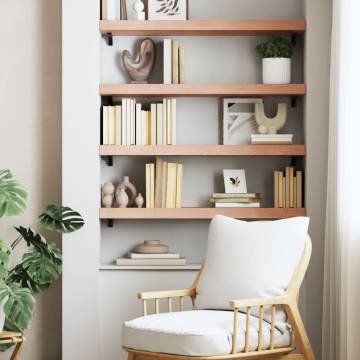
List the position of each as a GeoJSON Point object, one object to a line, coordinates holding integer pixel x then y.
{"type": "Point", "coordinates": [109, 161]}
{"type": "Point", "coordinates": [294, 100]}
{"type": "Point", "coordinates": [109, 39]}
{"type": "Point", "coordinates": [294, 38]}
{"type": "Point", "coordinates": [110, 223]}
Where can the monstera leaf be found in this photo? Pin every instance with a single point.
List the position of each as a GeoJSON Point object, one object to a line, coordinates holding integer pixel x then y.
{"type": "Point", "coordinates": [5, 259]}
{"type": "Point", "coordinates": [32, 238]}
{"type": "Point", "coordinates": [12, 195]}
{"type": "Point", "coordinates": [19, 305]}
{"type": "Point", "coordinates": [61, 219]}
{"type": "Point", "coordinates": [41, 268]}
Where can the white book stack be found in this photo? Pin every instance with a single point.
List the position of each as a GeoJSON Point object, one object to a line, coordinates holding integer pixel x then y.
{"type": "Point", "coordinates": [280, 139]}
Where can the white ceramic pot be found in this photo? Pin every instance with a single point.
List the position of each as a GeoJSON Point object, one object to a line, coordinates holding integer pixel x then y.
{"type": "Point", "coordinates": [2, 317]}
{"type": "Point", "coordinates": [276, 71]}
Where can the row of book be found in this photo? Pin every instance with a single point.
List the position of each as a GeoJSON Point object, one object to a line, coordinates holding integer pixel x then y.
{"type": "Point", "coordinates": [163, 184]}
{"type": "Point", "coordinates": [272, 139]}
{"type": "Point", "coordinates": [130, 124]}
{"type": "Point", "coordinates": [173, 62]}
{"type": "Point", "coordinates": [241, 200]}
{"type": "Point", "coordinates": [288, 186]}
{"type": "Point", "coordinates": [163, 259]}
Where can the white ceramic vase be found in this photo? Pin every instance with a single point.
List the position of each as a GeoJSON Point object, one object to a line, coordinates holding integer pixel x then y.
{"type": "Point", "coordinates": [122, 198]}
{"type": "Point", "coordinates": [276, 71]}
{"type": "Point", "coordinates": [2, 317]}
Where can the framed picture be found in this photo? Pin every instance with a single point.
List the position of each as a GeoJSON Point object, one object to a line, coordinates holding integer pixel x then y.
{"type": "Point", "coordinates": [235, 181]}
{"type": "Point", "coordinates": [239, 121]}
{"type": "Point", "coordinates": [167, 9]}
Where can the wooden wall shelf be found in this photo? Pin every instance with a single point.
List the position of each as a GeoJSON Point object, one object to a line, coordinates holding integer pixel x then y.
{"type": "Point", "coordinates": [189, 267]}
{"type": "Point", "coordinates": [204, 150]}
{"type": "Point", "coordinates": [199, 213]}
{"type": "Point", "coordinates": [202, 90]}
{"type": "Point", "coordinates": [203, 27]}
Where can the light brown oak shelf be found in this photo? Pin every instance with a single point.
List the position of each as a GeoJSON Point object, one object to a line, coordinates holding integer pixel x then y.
{"type": "Point", "coordinates": [202, 27]}
{"type": "Point", "coordinates": [203, 150]}
{"type": "Point", "coordinates": [188, 267]}
{"type": "Point", "coordinates": [202, 90]}
{"type": "Point", "coordinates": [199, 213]}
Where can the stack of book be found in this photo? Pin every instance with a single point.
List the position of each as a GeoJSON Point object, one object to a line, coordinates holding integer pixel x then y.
{"type": "Point", "coordinates": [163, 184]}
{"type": "Point", "coordinates": [163, 259]}
{"type": "Point", "coordinates": [242, 200]}
{"type": "Point", "coordinates": [274, 139]}
{"type": "Point", "coordinates": [130, 124]}
{"type": "Point", "coordinates": [173, 62]}
{"type": "Point", "coordinates": [288, 191]}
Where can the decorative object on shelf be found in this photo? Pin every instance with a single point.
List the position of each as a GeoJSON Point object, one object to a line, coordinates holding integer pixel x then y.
{"type": "Point", "coordinates": [41, 264]}
{"type": "Point", "coordinates": [139, 201]}
{"type": "Point", "coordinates": [139, 9]}
{"type": "Point", "coordinates": [167, 9]}
{"type": "Point", "coordinates": [123, 7]}
{"type": "Point", "coordinates": [235, 181]}
{"type": "Point", "coordinates": [243, 200]}
{"type": "Point", "coordinates": [139, 69]}
{"type": "Point", "coordinates": [151, 247]}
{"type": "Point", "coordinates": [107, 198]}
{"type": "Point", "coordinates": [276, 60]}
{"type": "Point", "coordinates": [131, 187]}
{"type": "Point", "coordinates": [122, 198]}
{"type": "Point", "coordinates": [239, 120]}
{"type": "Point", "coordinates": [270, 125]}
{"type": "Point", "coordinates": [272, 139]}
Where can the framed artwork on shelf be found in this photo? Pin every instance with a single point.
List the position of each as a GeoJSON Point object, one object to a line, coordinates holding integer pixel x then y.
{"type": "Point", "coordinates": [168, 9]}
{"type": "Point", "coordinates": [235, 181]}
{"type": "Point", "coordinates": [239, 120]}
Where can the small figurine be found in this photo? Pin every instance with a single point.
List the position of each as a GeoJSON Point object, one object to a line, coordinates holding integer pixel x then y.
{"type": "Point", "coordinates": [107, 198]}
{"type": "Point", "coordinates": [139, 201]}
{"type": "Point", "coordinates": [270, 125]}
{"type": "Point", "coordinates": [122, 198]}
{"type": "Point", "coordinates": [139, 8]}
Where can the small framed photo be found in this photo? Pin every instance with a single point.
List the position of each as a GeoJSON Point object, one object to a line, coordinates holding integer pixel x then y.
{"type": "Point", "coordinates": [167, 9]}
{"type": "Point", "coordinates": [235, 181]}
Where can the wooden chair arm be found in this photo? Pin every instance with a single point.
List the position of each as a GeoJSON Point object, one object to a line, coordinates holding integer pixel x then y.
{"type": "Point", "coordinates": [166, 294]}
{"type": "Point", "coordinates": [243, 303]}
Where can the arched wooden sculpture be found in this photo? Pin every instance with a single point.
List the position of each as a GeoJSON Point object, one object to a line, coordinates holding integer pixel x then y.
{"type": "Point", "coordinates": [139, 69]}
{"type": "Point", "coordinates": [270, 125]}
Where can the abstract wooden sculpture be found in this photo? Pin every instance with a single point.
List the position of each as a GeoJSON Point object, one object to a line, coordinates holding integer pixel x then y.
{"type": "Point", "coordinates": [270, 125]}
{"type": "Point", "coordinates": [139, 69]}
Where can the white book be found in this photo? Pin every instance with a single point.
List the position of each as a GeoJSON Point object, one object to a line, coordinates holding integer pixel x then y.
{"type": "Point", "coordinates": [173, 121]}
{"type": "Point", "coordinates": [272, 136]}
{"type": "Point", "coordinates": [128, 121]}
{"type": "Point", "coordinates": [117, 125]}
{"type": "Point", "coordinates": [168, 122]}
{"type": "Point", "coordinates": [237, 205]}
{"type": "Point", "coordinates": [132, 255]}
{"type": "Point", "coordinates": [167, 61]}
{"type": "Point", "coordinates": [159, 124]}
{"type": "Point", "coordinates": [111, 125]}
{"type": "Point", "coordinates": [153, 124]}
{"type": "Point", "coordinates": [143, 127]}
{"type": "Point", "coordinates": [123, 122]}
{"type": "Point", "coordinates": [113, 10]}
{"type": "Point", "coordinates": [105, 129]}
{"type": "Point", "coordinates": [164, 118]}
{"type": "Point", "coordinates": [133, 121]}
{"type": "Point", "coordinates": [138, 125]}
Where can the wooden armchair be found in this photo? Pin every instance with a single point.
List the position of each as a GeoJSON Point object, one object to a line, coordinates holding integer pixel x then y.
{"type": "Point", "coordinates": [265, 315]}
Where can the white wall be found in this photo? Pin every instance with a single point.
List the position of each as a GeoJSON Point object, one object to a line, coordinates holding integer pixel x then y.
{"type": "Point", "coordinates": [30, 137]}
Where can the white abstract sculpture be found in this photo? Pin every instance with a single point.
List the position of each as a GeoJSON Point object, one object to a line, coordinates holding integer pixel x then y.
{"type": "Point", "coordinates": [139, 9]}
{"type": "Point", "coordinates": [270, 125]}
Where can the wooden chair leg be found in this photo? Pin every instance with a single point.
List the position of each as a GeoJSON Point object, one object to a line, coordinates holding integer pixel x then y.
{"type": "Point", "coordinates": [17, 350]}
{"type": "Point", "coordinates": [300, 331]}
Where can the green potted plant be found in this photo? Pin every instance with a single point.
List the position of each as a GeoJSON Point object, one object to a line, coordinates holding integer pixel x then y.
{"type": "Point", "coordinates": [276, 55]}
{"type": "Point", "coordinates": [41, 263]}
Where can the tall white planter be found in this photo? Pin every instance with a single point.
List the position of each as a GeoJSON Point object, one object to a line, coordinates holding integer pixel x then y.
{"type": "Point", "coordinates": [2, 317]}
{"type": "Point", "coordinates": [276, 71]}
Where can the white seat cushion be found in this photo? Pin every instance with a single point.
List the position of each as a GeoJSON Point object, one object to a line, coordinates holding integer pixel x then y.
{"type": "Point", "coordinates": [197, 333]}
{"type": "Point", "coordinates": [250, 260]}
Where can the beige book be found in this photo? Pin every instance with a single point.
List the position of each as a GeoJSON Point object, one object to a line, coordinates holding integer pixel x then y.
{"type": "Point", "coordinates": [295, 193]}
{"type": "Point", "coordinates": [147, 185]}
{"type": "Point", "coordinates": [171, 186]}
{"type": "Point", "coordinates": [124, 261]}
{"type": "Point", "coordinates": [153, 124]}
{"type": "Point", "coordinates": [291, 201]}
{"type": "Point", "coordinates": [236, 200]}
{"type": "Point", "coordinates": [104, 8]}
{"type": "Point", "coordinates": [299, 194]}
{"type": "Point", "coordinates": [112, 125]}
{"type": "Point", "coordinates": [181, 65]}
{"type": "Point", "coordinates": [179, 182]}
{"type": "Point", "coordinates": [287, 187]}
{"type": "Point", "coordinates": [284, 191]}
{"type": "Point", "coordinates": [152, 186]}
{"type": "Point", "coordinates": [105, 129]}
{"type": "Point", "coordinates": [281, 200]}
{"type": "Point", "coordinates": [276, 189]}
{"type": "Point", "coordinates": [117, 125]}
{"type": "Point", "coordinates": [158, 182]}
{"type": "Point", "coordinates": [241, 195]}
{"type": "Point", "coordinates": [164, 185]}
{"type": "Point", "coordinates": [159, 124]}
{"type": "Point", "coordinates": [175, 62]}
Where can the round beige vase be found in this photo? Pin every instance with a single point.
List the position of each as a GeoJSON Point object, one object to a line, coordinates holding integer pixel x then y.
{"type": "Point", "coordinates": [276, 70]}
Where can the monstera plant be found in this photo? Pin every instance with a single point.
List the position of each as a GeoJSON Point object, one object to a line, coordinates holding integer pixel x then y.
{"type": "Point", "coordinates": [41, 263]}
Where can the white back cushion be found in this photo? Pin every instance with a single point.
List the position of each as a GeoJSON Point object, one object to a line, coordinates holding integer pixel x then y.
{"type": "Point", "coordinates": [247, 260]}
